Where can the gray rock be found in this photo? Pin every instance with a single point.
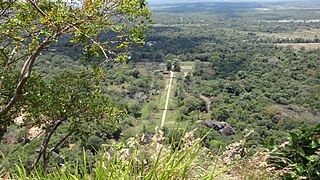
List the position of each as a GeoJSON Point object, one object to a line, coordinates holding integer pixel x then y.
{"type": "Point", "coordinates": [222, 127]}
{"type": "Point", "coordinates": [227, 131]}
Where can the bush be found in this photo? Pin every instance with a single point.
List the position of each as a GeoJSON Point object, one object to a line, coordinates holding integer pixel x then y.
{"type": "Point", "coordinates": [300, 157]}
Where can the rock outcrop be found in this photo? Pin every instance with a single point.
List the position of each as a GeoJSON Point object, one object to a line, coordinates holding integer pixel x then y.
{"type": "Point", "coordinates": [222, 127]}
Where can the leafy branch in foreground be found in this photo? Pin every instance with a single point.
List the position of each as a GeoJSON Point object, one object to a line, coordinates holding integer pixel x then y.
{"type": "Point", "coordinates": [24, 35]}
{"type": "Point", "coordinates": [71, 100]}
{"type": "Point", "coordinates": [299, 158]}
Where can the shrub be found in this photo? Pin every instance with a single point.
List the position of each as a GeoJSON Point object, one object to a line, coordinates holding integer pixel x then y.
{"type": "Point", "coordinates": [299, 158]}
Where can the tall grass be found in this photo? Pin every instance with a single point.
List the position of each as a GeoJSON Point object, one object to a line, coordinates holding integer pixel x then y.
{"type": "Point", "coordinates": [2, 170]}
{"type": "Point", "coordinates": [142, 160]}
{"type": "Point", "coordinates": [139, 160]}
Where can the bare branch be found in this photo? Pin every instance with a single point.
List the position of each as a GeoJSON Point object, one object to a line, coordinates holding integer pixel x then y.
{"type": "Point", "coordinates": [50, 129]}
{"type": "Point", "coordinates": [11, 56]}
{"type": "Point", "coordinates": [17, 59]}
{"type": "Point", "coordinates": [61, 140]}
{"type": "Point", "coordinates": [40, 152]}
{"type": "Point", "coordinates": [35, 5]}
{"type": "Point", "coordinates": [96, 43]}
{"type": "Point", "coordinates": [47, 156]}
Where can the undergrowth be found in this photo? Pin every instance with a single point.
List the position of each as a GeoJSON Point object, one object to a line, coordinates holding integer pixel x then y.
{"type": "Point", "coordinates": [137, 159]}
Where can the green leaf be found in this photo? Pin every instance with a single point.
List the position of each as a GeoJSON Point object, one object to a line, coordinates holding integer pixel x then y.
{"type": "Point", "coordinates": [314, 144]}
{"type": "Point", "coordinates": [313, 158]}
{"type": "Point", "coordinates": [299, 169]}
{"type": "Point", "coordinates": [301, 152]}
{"type": "Point", "coordinates": [293, 136]}
{"type": "Point", "coordinates": [293, 174]}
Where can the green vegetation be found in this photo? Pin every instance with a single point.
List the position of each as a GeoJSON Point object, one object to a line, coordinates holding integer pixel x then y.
{"type": "Point", "coordinates": [300, 157]}
{"type": "Point", "coordinates": [78, 102]}
{"type": "Point", "coordinates": [135, 160]}
{"type": "Point", "coordinates": [25, 35]}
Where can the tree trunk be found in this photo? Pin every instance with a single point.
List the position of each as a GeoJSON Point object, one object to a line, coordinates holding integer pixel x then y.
{"type": "Point", "coordinates": [54, 148]}
{"type": "Point", "coordinates": [50, 129]}
{"type": "Point", "coordinates": [41, 151]}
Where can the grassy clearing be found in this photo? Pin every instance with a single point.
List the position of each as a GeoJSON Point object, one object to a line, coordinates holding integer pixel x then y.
{"type": "Point", "coordinates": [172, 100]}
{"type": "Point", "coordinates": [162, 99]}
{"type": "Point", "coordinates": [303, 33]}
{"type": "Point", "coordinates": [301, 45]}
{"type": "Point", "coordinates": [171, 116]}
{"type": "Point", "coordinates": [150, 120]}
{"type": "Point", "coordinates": [187, 63]}
{"type": "Point", "coordinates": [145, 112]}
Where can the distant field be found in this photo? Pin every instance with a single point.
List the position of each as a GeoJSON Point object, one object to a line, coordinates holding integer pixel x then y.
{"type": "Point", "coordinates": [304, 34]}
{"type": "Point", "coordinates": [300, 45]}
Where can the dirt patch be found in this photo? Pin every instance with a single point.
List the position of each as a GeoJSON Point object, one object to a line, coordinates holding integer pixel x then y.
{"type": "Point", "coordinates": [208, 101]}
{"type": "Point", "coordinates": [18, 120]}
{"type": "Point", "coordinates": [34, 132]}
{"type": "Point", "coordinates": [170, 123]}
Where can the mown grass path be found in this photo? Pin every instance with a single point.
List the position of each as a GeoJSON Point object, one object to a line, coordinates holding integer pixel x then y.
{"type": "Point", "coordinates": [167, 100]}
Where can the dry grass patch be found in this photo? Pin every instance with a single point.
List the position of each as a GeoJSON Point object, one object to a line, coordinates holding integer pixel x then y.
{"type": "Point", "coordinates": [300, 45]}
{"type": "Point", "coordinates": [303, 33]}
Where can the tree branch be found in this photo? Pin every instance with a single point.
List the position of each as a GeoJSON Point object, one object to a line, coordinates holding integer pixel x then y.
{"type": "Point", "coordinates": [28, 65]}
{"type": "Point", "coordinates": [41, 151]}
{"type": "Point", "coordinates": [56, 125]}
{"type": "Point", "coordinates": [4, 54]}
{"type": "Point", "coordinates": [34, 4]}
{"type": "Point", "coordinates": [11, 56]}
{"type": "Point", "coordinates": [96, 43]}
{"type": "Point", "coordinates": [25, 74]}
{"type": "Point", "coordinates": [17, 59]}
{"type": "Point", "coordinates": [55, 147]}
{"type": "Point", "coordinates": [49, 132]}
{"type": "Point", "coordinates": [58, 143]}
{"type": "Point", "coordinates": [3, 11]}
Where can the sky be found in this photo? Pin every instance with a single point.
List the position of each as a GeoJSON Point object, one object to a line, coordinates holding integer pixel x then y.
{"type": "Point", "coordinates": [182, 1]}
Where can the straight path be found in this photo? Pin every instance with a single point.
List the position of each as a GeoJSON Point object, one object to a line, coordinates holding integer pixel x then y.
{"type": "Point", "coordinates": [167, 100]}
